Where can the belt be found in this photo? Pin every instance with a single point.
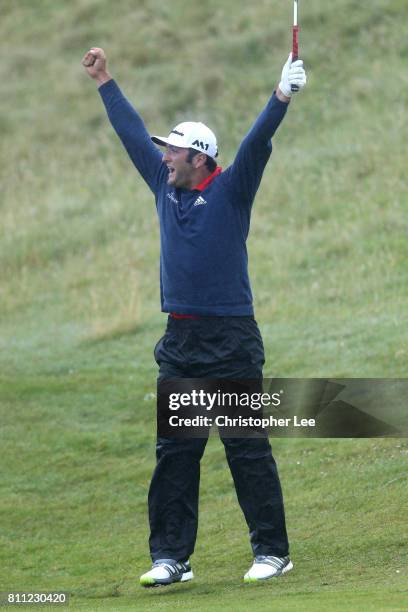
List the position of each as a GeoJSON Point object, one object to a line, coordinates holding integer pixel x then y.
{"type": "Point", "coordinates": [175, 315]}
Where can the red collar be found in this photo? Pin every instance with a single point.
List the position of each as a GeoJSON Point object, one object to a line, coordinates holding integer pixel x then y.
{"type": "Point", "coordinates": [201, 186]}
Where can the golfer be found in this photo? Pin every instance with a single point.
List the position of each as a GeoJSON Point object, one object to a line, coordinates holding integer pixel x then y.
{"type": "Point", "coordinates": [204, 214]}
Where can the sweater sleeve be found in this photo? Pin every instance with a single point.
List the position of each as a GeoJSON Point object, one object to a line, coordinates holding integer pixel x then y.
{"type": "Point", "coordinates": [133, 134]}
{"type": "Point", "coordinates": [245, 173]}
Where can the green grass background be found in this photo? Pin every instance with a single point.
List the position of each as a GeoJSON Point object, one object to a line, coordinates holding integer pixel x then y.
{"type": "Point", "coordinates": [79, 298]}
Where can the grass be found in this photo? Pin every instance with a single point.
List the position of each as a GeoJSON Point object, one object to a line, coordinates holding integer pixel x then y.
{"type": "Point", "coordinates": [79, 297]}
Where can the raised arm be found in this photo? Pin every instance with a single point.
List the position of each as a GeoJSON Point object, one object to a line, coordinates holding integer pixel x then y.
{"type": "Point", "coordinates": [246, 171]}
{"type": "Point", "coordinates": [126, 121]}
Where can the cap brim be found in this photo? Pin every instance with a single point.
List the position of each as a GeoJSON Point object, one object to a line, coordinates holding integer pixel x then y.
{"type": "Point", "coordinates": [160, 140]}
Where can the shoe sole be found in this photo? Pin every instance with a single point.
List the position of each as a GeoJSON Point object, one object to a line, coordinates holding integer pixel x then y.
{"type": "Point", "coordinates": [149, 583]}
{"type": "Point", "coordinates": [283, 571]}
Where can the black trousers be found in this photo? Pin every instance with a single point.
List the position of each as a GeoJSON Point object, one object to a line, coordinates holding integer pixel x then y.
{"type": "Point", "coordinates": [213, 347]}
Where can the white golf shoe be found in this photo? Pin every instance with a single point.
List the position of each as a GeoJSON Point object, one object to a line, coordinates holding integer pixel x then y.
{"type": "Point", "coordinates": [167, 571]}
{"type": "Point", "coordinates": [265, 567]}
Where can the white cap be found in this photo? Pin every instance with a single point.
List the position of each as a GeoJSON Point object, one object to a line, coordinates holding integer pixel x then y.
{"type": "Point", "coordinates": [191, 134]}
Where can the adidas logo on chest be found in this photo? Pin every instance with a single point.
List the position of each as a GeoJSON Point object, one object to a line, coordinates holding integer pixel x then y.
{"type": "Point", "coordinates": [200, 201]}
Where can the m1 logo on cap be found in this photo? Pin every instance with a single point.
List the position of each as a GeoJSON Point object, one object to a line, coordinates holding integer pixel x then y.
{"type": "Point", "coordinates": [199, 143]}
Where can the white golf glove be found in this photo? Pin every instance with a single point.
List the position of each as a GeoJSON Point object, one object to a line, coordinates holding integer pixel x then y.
{"type": "Point", "coordinates": [292, 74]}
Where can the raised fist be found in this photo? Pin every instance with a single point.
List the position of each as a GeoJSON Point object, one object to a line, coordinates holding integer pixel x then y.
{"type": "Point", "coordinates": [95, 64]}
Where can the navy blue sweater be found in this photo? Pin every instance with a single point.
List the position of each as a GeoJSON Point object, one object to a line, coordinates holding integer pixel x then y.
{"type": "Point", "coordinates": [204, 259]}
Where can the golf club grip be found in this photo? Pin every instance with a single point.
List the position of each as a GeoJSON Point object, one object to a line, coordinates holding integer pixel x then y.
{"type": "Point", "coordinates": [295, 50]}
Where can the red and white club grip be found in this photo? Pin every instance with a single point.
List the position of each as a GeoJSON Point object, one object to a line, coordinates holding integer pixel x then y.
{"type": "Point", "coordinates": [295, 50]}
{"type": "Point", "coordinates": [295, 43]}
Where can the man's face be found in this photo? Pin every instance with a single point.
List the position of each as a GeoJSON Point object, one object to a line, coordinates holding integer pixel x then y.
{"type": "Point", "coordinates": [181, 172]}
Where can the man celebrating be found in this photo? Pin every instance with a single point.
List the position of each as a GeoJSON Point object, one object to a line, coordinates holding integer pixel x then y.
{"type": "Point", "coordinates": [204, 214]}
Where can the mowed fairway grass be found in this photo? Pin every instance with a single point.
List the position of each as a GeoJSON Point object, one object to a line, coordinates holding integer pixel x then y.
{"type": "Point", "coordinates": [79, 293]}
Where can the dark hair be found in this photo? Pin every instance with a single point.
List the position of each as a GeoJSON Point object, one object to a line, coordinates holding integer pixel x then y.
{"type": "Point", "coordinates": [210, 163]}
